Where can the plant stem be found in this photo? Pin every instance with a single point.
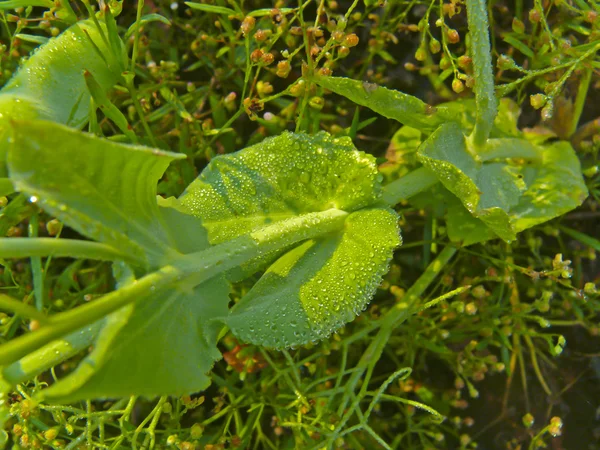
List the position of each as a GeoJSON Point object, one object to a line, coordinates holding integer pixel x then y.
{"type": "Point", "coordinates": [582, 92]}
{"type": "Point", "coordinates": [22, 309]}
{"type": "Point", "coordinates": [485, 99]}
{"type": "Point", "coordinates": [49, 355]}
{"type": "Point", "coordinates": [194, 268]}
{"type": "Point", "coordinates": [72, 248]}
{"type": "Point", "coordinates": [411, 184]}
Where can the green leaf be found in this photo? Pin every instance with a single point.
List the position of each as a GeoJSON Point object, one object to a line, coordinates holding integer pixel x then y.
{"type": "Point", "coordinates": [281, 177]}
{"type": "Point", "coordinates": [211, 8]}
{"type": "Point", "coordinates": [159, 346]}
{"type": "Point", "coordinates": [33, 38]}
{"type": "Point", "coordinates": [481, 52]}
{"type": "Point", "coordinates": [169, 334]}
{"type": "Point", "coordinates": [144, 20]}
{"type": "Point", "coordinates": [554, 187]}
{"type": "Point", "coordinates": [499, 194]}
{"type": "Point", "coordinates": [108, 195]}
{"type": "Point", "coordinates": [6, 187]}
{"type": "Point", "coordinates": [13, 4]}
{"type": "Point", "coordinates": [486, 191]}
{"type": "Point", "coordinates": [50, 84]}
{"type": "Point", "coordinates": [392, 104]}
{"type": "Point", "coordinates": [314, 289]}
{"type": "Point", "coordinates": [52, 81]}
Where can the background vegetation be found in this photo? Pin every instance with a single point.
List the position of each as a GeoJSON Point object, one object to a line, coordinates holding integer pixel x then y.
{"type": "Point", "coordinates": [512, 362]}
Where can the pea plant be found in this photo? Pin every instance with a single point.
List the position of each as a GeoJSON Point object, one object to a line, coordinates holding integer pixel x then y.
{"type": "Point", "coordinates": [309, 212]}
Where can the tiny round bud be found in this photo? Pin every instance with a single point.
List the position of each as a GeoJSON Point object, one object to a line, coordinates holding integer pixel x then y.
{"type": "Point", "coordinates": [435, 46]}
{"type": "Point", "coordinates": [457, 86]}
{"type": "Point", "coordinates": [421, 54]}
{"type": "Point", "coordinates": [248, 25]}
{"type": "Point", "coordinates": [283, 69]}
{"type": "Point", "coordinates": [267, 59]}
{"type": "Point", "coordinates": [338, 36]}
{"type": "Point", "coordinates": [538, 100]}
{"type": "Point", "coordinates": [51, 434]}
{"type": "Point", "coordinates": [535, 15]}
{"type": "Point", "coordinates": [317, 103]}
{"type": "Point", "coordinates": [445, 63]}
{"type": "Point", "coordinates": [343, 51]}
{"type": "Point", "coordinates": [453, 36]}
{"type": "Point", "coordinates": [464, 62]}
{"type": "Point", "coordinates": [53, 227]}
{"type": "Point", "coordinates": [351, 40]}
{"type": "Point", "coordinates": [256, 55]}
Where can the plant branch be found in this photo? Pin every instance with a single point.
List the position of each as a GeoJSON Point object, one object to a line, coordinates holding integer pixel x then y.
{"type": "Point", "coordinates": [49, 355]}
{"type": "Point", "coordinates": [485, 99]}
{"type": "Point", "coordinates": [409, 185]}
{"type": "Point", "coordinates": [72, 248]}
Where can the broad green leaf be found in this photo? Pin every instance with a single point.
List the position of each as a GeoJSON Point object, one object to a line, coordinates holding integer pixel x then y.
{"type": "Point", "coordinates": [554, 187]}
{"type": "Point", "coordinates": [164, 344]}
{"type": "Point", "coordinates": [281, 177]}
{"type": "Point", "coordinates": [158, 346]}
{"type": "Point", "coordinates": [52, 81]}
{"type": "Point", "coordinates": [109, 195]}
{"type": "Point", "coordinates": [505, 124]}
{"type": "Point", "coordinates": [389, 103]}
{"type": "Point", "coordinates": [317, 287]}
{"type": "Point", "coordinates": [487, 191]}
{"type": "Point", "coordinates": [504, 196]}
{"type": "Point", "coordinates": [50, 84]}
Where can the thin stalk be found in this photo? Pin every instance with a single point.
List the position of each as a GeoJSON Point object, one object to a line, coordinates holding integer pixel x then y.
{"type": "Point", "coordinates": [582, 92]}
{"type": "Point", "coordinates": [485, 99]}
{"type": "Point", "coordinates": [411, 184]}
{"type": "Point", "coordinates": [136, 38]}
{"type": "Point", "coordinates": [36, 264]}
{"type": "Point", "coordinates": [18, 307]}
{"type": "Point", "coordinates": [72, 248]}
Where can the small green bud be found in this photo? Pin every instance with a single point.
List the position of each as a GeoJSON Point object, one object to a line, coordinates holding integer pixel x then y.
{"type": "Point", "coordinates": [538, 100]}
{"type": "Point", "coordinates": [528, 420]}
{"type": "Point", "coordinates": [434, 46]}
{"type": "Point", "coordinates": [317, 103]}
{"type": "Point", "coordinates": [458, 86]}
{"type": "Point", "coordinates": [421, 54]}
{"type": "Point", "coordinates": [54, 227]}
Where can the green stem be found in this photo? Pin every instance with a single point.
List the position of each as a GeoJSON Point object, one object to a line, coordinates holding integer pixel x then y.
{"type": "Point", "coordinates": [194, 268]}
{"type": "Point", "coordinates": [72, 248]}
{"type": "Point", "coordinates": [49, 356]}
{"type": "Point", "coordinates": [36, 264]}
{"type": "Point", "coordinates": [136, 38]}
{"type": "Point", "coordinates": [582, 92]}
{"type": "Point", "coordinates": [22, 309]}
{"type": "Point", "coordinates": [485, 99]}
{"type": "Point", "coordinates": [411, 184]}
